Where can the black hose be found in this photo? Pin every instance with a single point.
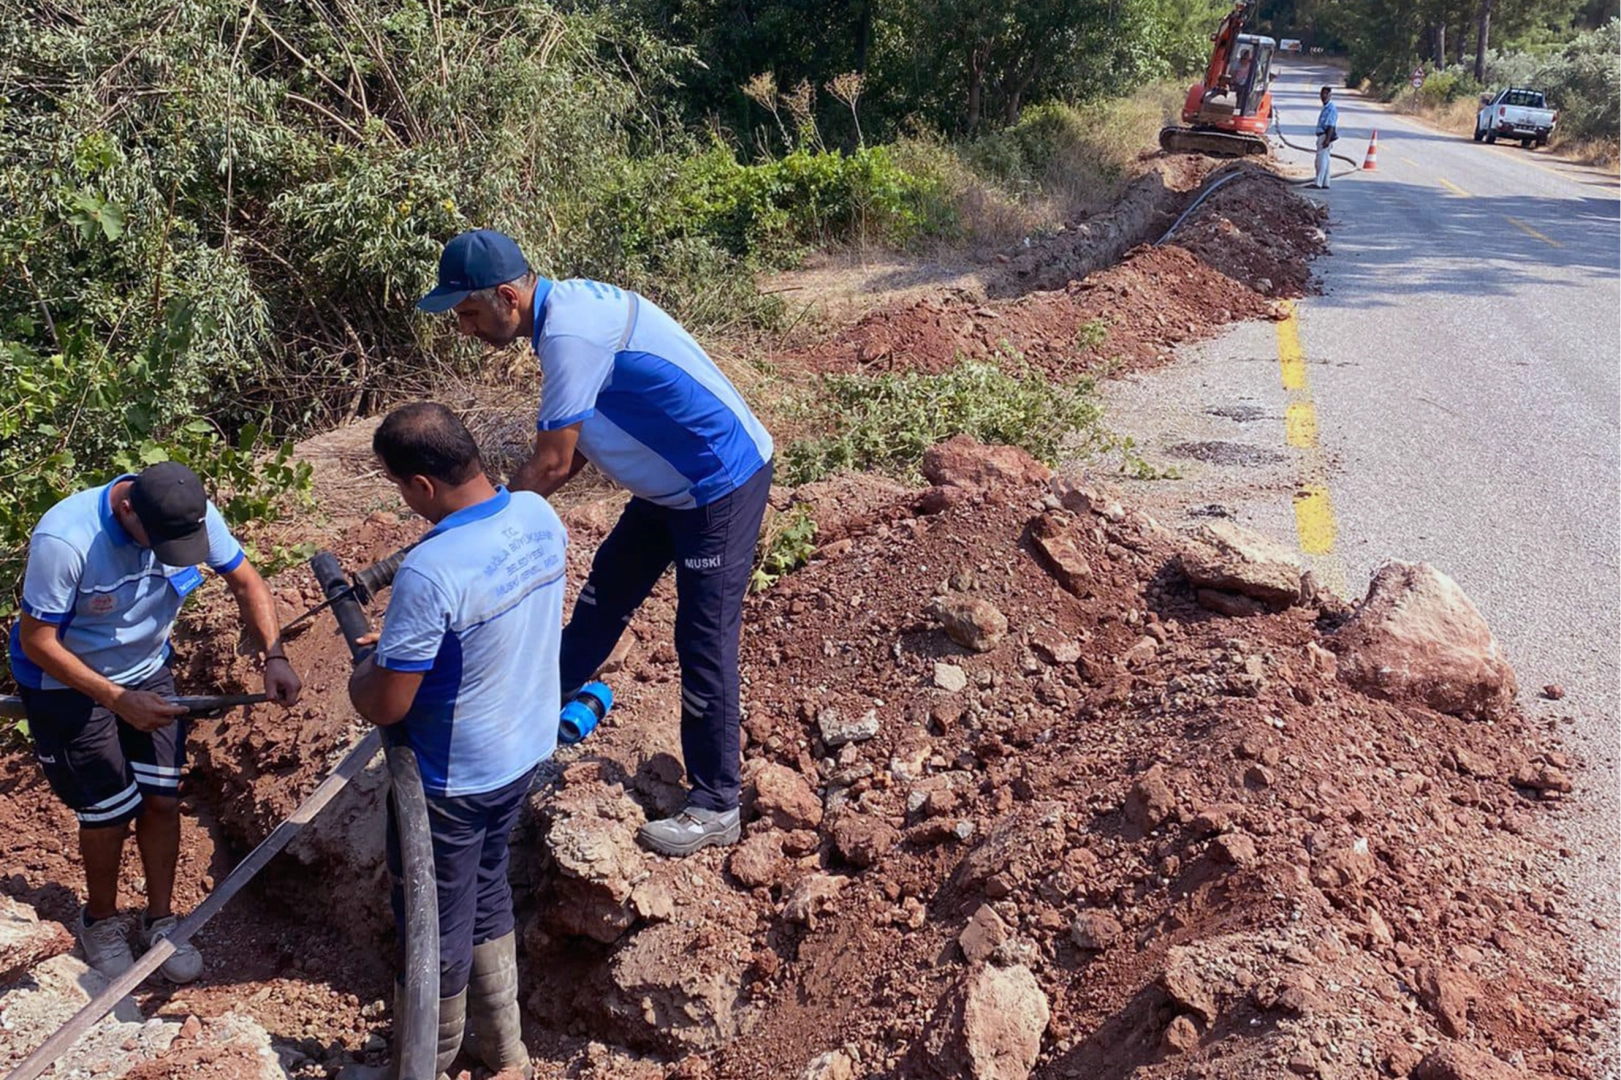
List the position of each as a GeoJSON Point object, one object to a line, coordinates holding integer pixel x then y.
{"type": "Point", "coordinates": [416, 1033]}
{"type": "Point", "coordinates": [378, 576]}
{"type": "Point", "coordinates": [351, 619]}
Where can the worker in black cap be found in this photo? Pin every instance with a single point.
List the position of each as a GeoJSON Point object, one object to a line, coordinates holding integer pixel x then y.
{"type": "Point", "coordinates": [108, 569]}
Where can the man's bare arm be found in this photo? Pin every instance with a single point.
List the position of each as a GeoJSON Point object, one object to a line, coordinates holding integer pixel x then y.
{"type": "Point", "coordinates": [380, 695]}
{"type": "Point", "coordinates": [258, 609]}
{"type": "Point", "coordinates": [556, 459]}
{"type": "Point", "coordinates": [142, 708]}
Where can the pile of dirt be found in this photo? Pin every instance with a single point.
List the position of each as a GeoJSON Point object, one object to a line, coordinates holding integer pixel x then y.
{"type": "Point", "coordinates": [1017, 804]}
{"type": "Point", "coordinates": [1128, 316]}
{"type": "Point", "coordinates": [1072, 304]}
{"type": "Point", "coordinates": [1258, 231]}
{"type": "Point", "coordinates": [1015, 794]}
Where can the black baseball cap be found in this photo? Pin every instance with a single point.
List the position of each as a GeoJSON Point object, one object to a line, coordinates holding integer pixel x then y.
{"type": "Point", "coordinates": [481, 259]}
{"type": "Point", "coordinates": [169, 500]}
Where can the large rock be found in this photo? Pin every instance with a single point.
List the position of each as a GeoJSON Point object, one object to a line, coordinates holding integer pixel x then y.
{"type": "Point", "coordinates": [1417, 637]}
{"type": "Point", "coordinates": [784, 798]}
{"type": "Point", "coordinates": [988, 1026]}
{"type": "Point", "coordinates": [833, 1065]}
{"type": "Point", "coordinates": [863, 840]}
{"type": "Point", "coordinates": [758, 860]}
{"type": "Point", "coordinates": [1150, 803]}
{"type": "Point", "coordinates": [25, 941]}
{"type": "Point", "coordinates": [1231, 558]}
{"type": "Point", "coordinates": [674, 988]}
{"type": "Point", "coordinates": [971, 621]}
{"type": "Point", "coordinates": [602, 887]}
{"type": "Point", "coordinates": [1063, 551]}
{"type": "Point", "coordinates": [964, 463]}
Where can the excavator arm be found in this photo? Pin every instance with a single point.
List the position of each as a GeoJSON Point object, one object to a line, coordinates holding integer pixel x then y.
{"type": "Point", "coordinates": [1225, 37]}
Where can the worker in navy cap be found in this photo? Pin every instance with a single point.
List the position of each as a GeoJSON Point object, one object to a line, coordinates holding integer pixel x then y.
{"type": "Point", "coordinates": [628, 390]}
{"type": "Point", "coordinates": [108, 570]}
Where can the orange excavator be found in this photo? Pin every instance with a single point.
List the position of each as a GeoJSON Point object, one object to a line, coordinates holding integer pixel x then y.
{"type": "Point", "coordinates": [1227, 114]}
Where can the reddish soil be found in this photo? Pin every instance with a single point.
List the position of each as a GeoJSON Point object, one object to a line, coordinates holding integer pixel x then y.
{"type": "Point", "coordinates": [1249, 242]}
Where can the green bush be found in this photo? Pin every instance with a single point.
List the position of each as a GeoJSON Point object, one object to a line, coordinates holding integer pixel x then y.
{"type": "Point", "coordinates": [887, 421]}
{"type": "Point", "coordinates": [1448, 85]}
{"type": "Point", "coordinates": [79, 416]}
{"type": "Point", "coordinates": [766, 213]}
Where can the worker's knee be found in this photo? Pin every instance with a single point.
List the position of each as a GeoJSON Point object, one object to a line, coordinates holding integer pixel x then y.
{"type": "Point", "coordinates": [159, 807]}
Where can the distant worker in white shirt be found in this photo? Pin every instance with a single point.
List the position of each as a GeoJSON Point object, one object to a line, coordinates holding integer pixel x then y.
{"type": "Point", "coordinates": [1328, 132]}
{"type": "Point", "coordinates": [627, 389]}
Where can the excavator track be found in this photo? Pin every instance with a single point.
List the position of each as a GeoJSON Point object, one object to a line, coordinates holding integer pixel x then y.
{"type": "Point", "coordinates": [1186, 140]}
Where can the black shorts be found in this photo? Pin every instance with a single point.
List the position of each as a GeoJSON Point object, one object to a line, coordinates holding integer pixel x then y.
{"type": "Point", "coordinates": [96, 763]}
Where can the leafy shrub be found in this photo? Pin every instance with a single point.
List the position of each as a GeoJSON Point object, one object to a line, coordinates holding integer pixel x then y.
{"type": "Point", "coordinates": [77, 417]}
{"type": "Point", "coordinates": [786, 544]}
{"type": "Point", "coordinates": [887, 421]}
{"type": "Point", "coordinates": [767, 212]}
{"type": "Point", "coordinates": [1081, 154]}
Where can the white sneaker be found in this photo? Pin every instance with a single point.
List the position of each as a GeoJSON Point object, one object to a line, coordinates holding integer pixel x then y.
{"type": "Point", "coordinates": [105, 945]}
{"type": "Point", "coordinates": [186, 963]}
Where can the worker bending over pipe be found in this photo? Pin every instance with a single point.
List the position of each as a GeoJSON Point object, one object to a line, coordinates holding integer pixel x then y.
{"type": "Point", "coordinates": [466, 665]}
{"type": "Point", "coordinates": [108, 570]}
{"type": "Point", "coordinates": [627, 389]}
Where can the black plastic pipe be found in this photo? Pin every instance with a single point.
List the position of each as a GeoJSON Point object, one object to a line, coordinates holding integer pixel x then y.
{"type": "Point", "coordinates": [416, 1033]}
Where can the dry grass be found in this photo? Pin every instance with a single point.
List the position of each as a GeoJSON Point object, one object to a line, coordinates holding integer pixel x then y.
{"type": "Point", "coordinates": [1459, 117]}
{"type": "Point", "coordinates": [1059, 163]}
{"type": "Point", "coordinates": [1456, 115]}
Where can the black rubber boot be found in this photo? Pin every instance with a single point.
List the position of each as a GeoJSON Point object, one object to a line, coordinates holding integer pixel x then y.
{"type": "Point", "coordinates": [492, 1007]}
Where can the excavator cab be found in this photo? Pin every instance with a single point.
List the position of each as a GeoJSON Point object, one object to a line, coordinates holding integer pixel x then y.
{"type": "Point", "coordinates": [1227, 114]}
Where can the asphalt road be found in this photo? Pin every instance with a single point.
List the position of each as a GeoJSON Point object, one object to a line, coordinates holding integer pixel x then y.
{"type": "Point", "coordinates": [1462, 372]}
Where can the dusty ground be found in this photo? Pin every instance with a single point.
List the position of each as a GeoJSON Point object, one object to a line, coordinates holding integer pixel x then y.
{"type": "Point", "coordinates": [1123, 836]}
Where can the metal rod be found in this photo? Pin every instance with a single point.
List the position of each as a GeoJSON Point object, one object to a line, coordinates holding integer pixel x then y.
{"type": "Point", "coordinates": [103, 1003]}
{"type": "Point", "coordinates": [11, 708]}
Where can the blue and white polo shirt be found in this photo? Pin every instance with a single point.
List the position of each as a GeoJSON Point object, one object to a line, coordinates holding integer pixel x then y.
{"type": "Point", "coordinates": [113, 603]}
{"type": "Point", "coordinates": [477, 607]}
{"type": "Point", "coordinates": [655, 413]}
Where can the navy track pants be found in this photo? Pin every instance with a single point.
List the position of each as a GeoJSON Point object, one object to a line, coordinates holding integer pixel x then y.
{"type": "Point", "coordinates": [713, 550]}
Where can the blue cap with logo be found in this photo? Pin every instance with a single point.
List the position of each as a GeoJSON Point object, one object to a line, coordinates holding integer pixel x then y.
{"type": "Point", "coordinates": [480, 259]}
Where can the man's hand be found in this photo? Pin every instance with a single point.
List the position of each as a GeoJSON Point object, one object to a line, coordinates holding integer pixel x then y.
{"type": "Point", "coordinates": [144, 710]}
{"type": "Point", "coordinates": [282, 684]}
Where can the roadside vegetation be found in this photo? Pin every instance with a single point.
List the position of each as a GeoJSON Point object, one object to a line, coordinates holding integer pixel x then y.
{"type": "Point", "coordinates": [1582, 80]}
{"type": "Point", "coordinates": [214, 217]}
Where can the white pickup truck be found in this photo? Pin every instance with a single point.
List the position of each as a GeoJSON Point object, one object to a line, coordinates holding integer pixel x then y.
{"type": "Point", "coordinates": [1516, 113]}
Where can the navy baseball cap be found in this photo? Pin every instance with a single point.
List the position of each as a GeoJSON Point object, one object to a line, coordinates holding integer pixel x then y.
{"type": "Point", "coordinates": [169, 500]}
{"type": "Point", "coordinates": [480, 259]}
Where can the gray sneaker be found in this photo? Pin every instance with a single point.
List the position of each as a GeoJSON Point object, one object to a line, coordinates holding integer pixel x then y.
{"type": "Point", "coordinates": [186, 963]}
{"type": "Point", "coordinates": [105, 945]}
{"type": "Point", "coordinates": [691, 830]}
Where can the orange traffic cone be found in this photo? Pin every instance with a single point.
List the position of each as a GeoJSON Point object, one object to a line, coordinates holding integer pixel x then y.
{"type": "Point", "coordinates": [1372, 160]}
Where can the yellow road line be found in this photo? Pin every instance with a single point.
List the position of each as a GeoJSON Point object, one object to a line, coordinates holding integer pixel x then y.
{"type": "Point", "coordinates": [1290, 357]}
{"type": "Point", "coordinates": [1411, 162]}
{"type": "Point", "coordinates": [1529, 231]}
{"type": "Point", "coordinates": [1300, 425]}
{"type": "Point", "coordinates": [1314, 520]}
{"type": "Point", "coordinates": [1454, 187]}
{"type": "Point", "coordinates": [1315, 525]}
